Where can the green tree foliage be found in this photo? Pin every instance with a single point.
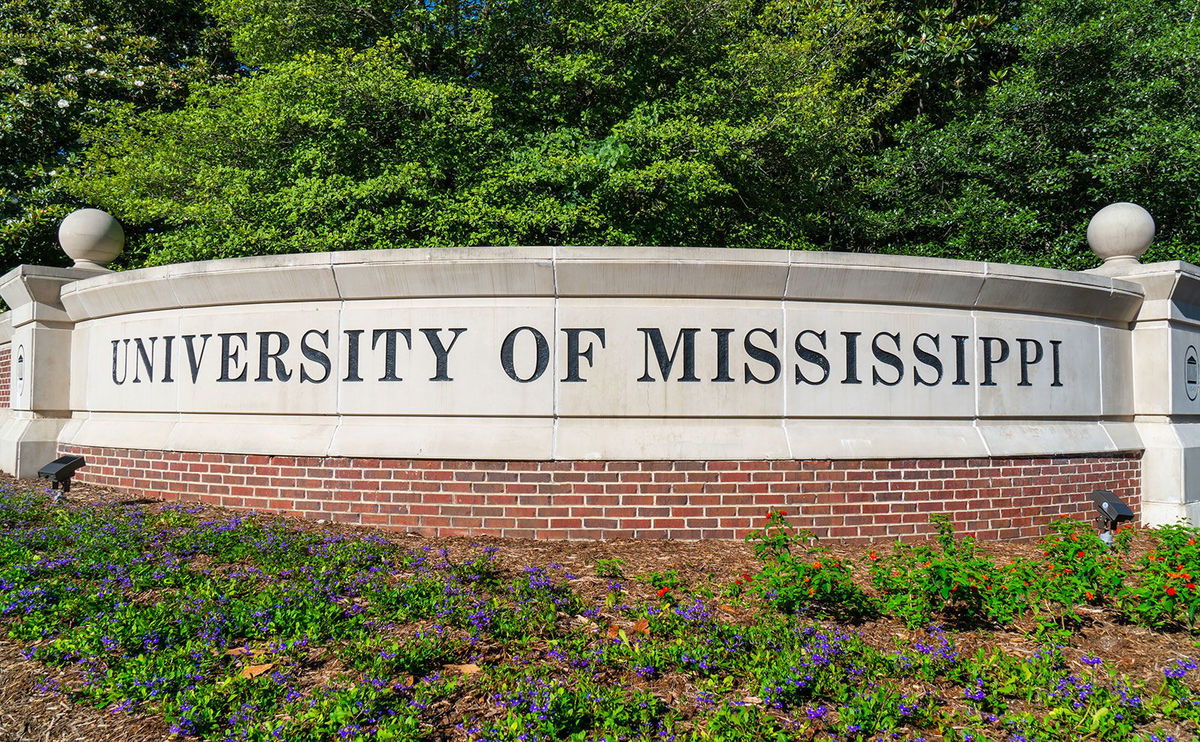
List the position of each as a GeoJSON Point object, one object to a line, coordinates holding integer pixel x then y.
{"type": "Point", "coordinates": [645, 122]}
{"type": "Point", "coordinates": [981, 129]}
{"type": "Point", "coordinates": [69, 64]}
{"type": "Point", "coordinates": [1085, 102]}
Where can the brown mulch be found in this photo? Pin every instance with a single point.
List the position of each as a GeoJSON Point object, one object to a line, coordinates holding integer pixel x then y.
{"type": "Point", "coordinates": [32, 712]}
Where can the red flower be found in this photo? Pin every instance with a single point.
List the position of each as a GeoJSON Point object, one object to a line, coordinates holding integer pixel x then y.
{"type": "Point", "coordinates": [1191, 586]}
{"type": "Point", "coordinates": [747, 578]}
{"type": "Point", "coordinates": [1089, 595]}
{"type": "Point", "coordinates": [1170, 591]}
{"type": "Point", "coordinates": [1080, 555]}
{"type": "Point", "coordinates": [664, 591]}
{"type": "Point", "coordinates": [873, 555]}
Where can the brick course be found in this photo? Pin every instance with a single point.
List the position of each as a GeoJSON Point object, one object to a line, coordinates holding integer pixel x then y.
{"type": "Point", "coordinates": [995, 498]}
{"type": "Point", "coordinates": [5, 375]}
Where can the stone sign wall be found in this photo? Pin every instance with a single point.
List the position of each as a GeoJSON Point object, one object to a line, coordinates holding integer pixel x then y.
{"type": "Point", "coordinates": [601, 392]}
{"type": "Point", "coordinates": [636, 354]}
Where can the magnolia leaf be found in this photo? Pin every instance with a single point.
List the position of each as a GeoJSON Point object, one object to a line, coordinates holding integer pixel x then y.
{"type": "Point", "coordinates": [469, 669]}
{"type": "Point", "coordinates": [253, 671]}
{"type": "Point", "coordinates": [642, 627]}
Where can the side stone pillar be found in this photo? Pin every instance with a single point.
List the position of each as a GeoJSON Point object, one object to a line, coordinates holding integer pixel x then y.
{"type": "Point", "coordinates": [1166, 372]}
{"type": "Point", "coordinates": [40, 348]}
{"type": "Point", "coordinates": [39, 366]}
{"type": "Point", "coordinates": [1166, 362]}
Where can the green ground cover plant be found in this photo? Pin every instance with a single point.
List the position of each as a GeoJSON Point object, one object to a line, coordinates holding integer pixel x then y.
{"type": "Point", "coordinates": [245, 627]}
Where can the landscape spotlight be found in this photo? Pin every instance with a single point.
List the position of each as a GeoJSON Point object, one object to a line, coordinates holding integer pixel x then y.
{"type": "Point", "coordinates": [1112, 511]}
{"type": "Point", "coordinates": [59, 472]}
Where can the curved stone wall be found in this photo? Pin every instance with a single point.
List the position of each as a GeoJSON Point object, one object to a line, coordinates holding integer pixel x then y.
{"type": "Point", "coordinates": [605, 353]}
{"type": "Point", "coordinates": [605, 392]}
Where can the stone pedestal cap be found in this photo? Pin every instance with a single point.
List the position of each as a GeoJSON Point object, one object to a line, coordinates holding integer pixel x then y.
{"type": "Point", "coordinates": [92, 238]}
{"type": "Point", "coordinates": [1120, 233]}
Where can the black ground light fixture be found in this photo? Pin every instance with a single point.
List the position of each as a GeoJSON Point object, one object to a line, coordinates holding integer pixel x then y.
{"type": "Point", "coordinates": [59, 473]}
{"type": "Point", "coordinates": [1112, 511]}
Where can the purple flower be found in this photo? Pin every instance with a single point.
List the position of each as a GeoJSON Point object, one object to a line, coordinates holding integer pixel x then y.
{"type": "Point", "coordinates": [1179, 669]}
{"type": "Point", "coordinates": [123, 707]}
{"type": "Point", "coordinates": [978, 693]}
{"type": "Point", "coordinates": [184, 727]}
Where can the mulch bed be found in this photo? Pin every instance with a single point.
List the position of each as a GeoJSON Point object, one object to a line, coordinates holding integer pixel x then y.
{"type": "Point", "coordinates": [31, 712]}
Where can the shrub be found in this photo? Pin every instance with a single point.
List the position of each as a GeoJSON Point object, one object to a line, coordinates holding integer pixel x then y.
{"type": "Point", "coordinates": [1078, 567]}
{"type": "Point", "coordinates": [952, 581]}
{"type": "Point", "coordinates": [811, 581]}
{"type": "Point", "coordinates": [1163, 590]}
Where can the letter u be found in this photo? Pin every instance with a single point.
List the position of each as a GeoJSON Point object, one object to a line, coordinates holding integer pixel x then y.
{"type": "Point", "coordinates": [124, 364]}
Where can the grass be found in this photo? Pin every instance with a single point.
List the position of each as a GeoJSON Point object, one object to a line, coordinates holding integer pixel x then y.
{"type": "Point", "coordinates": [237, 627]}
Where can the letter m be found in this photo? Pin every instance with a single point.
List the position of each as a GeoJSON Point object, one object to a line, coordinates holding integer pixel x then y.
{"type": "Point", "coordinates": [652, 339]}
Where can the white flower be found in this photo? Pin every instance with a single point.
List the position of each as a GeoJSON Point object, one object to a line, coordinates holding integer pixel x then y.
{"type": "Point", "coordinates": [63, 103]}
{"type": "Point", "coordinates": [70, 78]}
{"type": "Point", "coordinates": [90, 71]}
{"type": "Point", "coordinates": [138, 83]}
{"type": "Point", "coordinates": [87, 46]}
{"type": "Point", "coordinates": [103, 73]}
{"type": "Point", "coordinates": [104, 38]}
{"type": "Point", "coordinates": [53, 173]}
{"type": "Point", "coordinates": [20, 61]}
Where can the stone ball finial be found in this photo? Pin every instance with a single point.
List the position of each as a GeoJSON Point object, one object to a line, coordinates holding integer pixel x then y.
{"type": "Point", "coordinates": [92, 238]}
{"type": "Point", "coordinates": [1120, 233]}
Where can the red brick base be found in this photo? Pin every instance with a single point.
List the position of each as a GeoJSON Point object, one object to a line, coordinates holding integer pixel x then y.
{"type": "Point", "coordinates": [867, 499]}
{"type": "Point", "coordinates": [5, 375]}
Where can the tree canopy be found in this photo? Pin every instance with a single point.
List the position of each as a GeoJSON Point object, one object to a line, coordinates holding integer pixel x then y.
{"type": "Point", "coordinates": [66, 65]}
{"type": "Point", "coordinates": [980, 129]}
